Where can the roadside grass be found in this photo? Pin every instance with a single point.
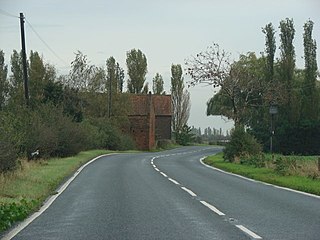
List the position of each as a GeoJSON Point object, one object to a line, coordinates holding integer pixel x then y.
{"type": "Point", "coordinates": [25, 189]}
{"type": "Point", "coordinates": [268, 175]}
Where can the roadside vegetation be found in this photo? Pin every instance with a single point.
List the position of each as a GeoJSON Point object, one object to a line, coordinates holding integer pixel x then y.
{"type": "Point", "coordinates": [295, 172]}
{"type": "Point", "coordinates": [24, 190]}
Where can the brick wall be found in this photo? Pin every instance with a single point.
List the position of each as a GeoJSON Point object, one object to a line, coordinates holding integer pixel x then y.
{"type": "Point", "coordinates": [150, 119]}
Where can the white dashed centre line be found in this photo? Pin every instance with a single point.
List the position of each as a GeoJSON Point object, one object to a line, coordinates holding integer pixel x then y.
{"type": "Point", "coordinates": [247, 231]}
{"type": "Point", "coordinates": [189, 191]}
{"type": "Point", "coordinates": [174, 181]}
{"type": "Point", "coordinates": [214, 209]}
{"type": "Point", "coordinates": [163, 174]}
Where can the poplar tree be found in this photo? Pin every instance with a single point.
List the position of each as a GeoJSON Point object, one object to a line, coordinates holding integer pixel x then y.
{"type": "Point", "coordinates": [287, 63]}
{"type": "Point", "coordinates": [137, 70]}
{"type": "Point", "coordinates": [180, 98]}
{"type": "Point", "coordinates": [157, 84]}
{"type": "Point", "coordinates": [4, 87]}
{"type": "Point", "coordinates": [310, 77]}
{"type": "Point", "coordinates": [269, 31]}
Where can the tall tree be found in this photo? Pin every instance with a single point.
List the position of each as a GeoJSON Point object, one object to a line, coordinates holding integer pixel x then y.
{"type": "Point", "coordinates": [4, 85]}
{"type": "Point", "coordinates": [16, 69]}
{"type": "Point", "coordinates": [112, 81]}
{"type": "Point", "coordinates": [81, 72]}
{"type": "Point", "coordinates": [37, 77]}
{"type": "Point", "coordinates": [137, 70]}
{"type": "Point", "coordinates": [180, 99]}
{"type": "Point", "coordinates": [157, 84]}
{"type": "Point", "coordinates": [309, 87]}
{"type": "Point", "coordinates": [16, 79]}
{"type": "Point", "coordinates": [119, 77]}
{"type": "Point", "coordinates": [287, 64]}
{"type": "Point", "coordinates": [269, 31]}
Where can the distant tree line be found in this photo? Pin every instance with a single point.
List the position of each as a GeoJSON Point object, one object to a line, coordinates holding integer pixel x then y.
{"type": "Point", "coordinates": [249, 86]}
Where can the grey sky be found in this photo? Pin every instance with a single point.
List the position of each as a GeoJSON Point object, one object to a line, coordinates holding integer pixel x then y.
{"type": "Point", "coordinates": [167, 31]}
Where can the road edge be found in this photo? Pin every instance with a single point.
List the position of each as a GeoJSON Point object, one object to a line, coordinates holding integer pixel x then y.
{"type": "Point", "coordinates": [257, 181]}
{"type": "Point", "coordinates": [47, 203]}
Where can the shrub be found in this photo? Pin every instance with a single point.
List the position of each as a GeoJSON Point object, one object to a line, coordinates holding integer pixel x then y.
{"type": "Point", "coordinates": [257, 160]}
{"type": "Point", "coordinates": [241, 143]}
{"type": "Point", "coordinates": [8, 156]}
{"type": "Point", "coordinates": [164, 143]}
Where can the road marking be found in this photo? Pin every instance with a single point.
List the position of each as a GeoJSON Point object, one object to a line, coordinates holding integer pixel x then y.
{"type": "Point", "coordinates": [189, 191]}
{"type": "Point", "coordinates": [214, 209]}
{"type": "Point", "coordinates": [256, 181]}
{"type": "Point", "coordinates": [247, 231]}
{"type": "Point", "coordinates": [163, 174]}
{"type": "Point", "coordinates": [174, 181]}
{"type": "Point", "coordinates": [157, 169]}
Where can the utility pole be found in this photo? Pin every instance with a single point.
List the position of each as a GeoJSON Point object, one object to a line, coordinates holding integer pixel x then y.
{"type": "Point", "coordinates": [24, 60]}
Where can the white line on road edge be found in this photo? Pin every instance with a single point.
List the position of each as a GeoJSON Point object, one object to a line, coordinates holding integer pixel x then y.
{"type": "Point", "coordinates": [247, 231]}
{"type": "Point", "coordinates": [157, 169]}
{"type": "Point", "coordinates": [49, 201]}
{"type": "Point", "coordinates": [163, 174]}
{"type": "Point", "coordinates": [256, 181]}
{"type": "Point", "coordinates": [189, 191]}
{"type": "Point", "coordinates": [212, 208]}
{"type": "Point", "coordinates": [174, 181]}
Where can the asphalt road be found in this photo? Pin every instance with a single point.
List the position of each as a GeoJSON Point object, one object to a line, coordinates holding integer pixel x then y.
{"type": "Point", "coordinates": [171, 195]}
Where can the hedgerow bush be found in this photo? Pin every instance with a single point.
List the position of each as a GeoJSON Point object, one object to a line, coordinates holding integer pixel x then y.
{"type": "Point", "coordinates": [241, 144]}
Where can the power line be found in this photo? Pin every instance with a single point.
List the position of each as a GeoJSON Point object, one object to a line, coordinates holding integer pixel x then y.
{"type": "Point", "coordinates": [5, 13]}
{"type": "Point", "coordinates": [46, 44]}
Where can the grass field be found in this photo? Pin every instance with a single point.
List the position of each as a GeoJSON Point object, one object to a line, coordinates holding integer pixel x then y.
{"type": "Point", "coordinates": [298, 182]}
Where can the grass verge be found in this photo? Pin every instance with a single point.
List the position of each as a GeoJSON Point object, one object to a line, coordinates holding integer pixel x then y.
{"type": "Point", "coordinates": [267, 175]}
{"type": "Point", "coordinates": [24, 190]}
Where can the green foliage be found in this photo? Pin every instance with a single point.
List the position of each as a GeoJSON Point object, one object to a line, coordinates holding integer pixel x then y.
{"type": "Point", "coordinates": [137, 70]}
{"type": "Point", "coordinates": [241, 144]}
{"type": "Point", "coordinates": [301, 183]}
{"type": "Point", "coordinates": [301, 138]}
{"type": "Point", "coordinates": [13, 212]}
{"type": "Point", "coordinates": [8, 155]}
{"type": "Point", "coordinates": [184, 136]}
{"type": "Point", "coordinates": [164, 144]}
{"type": "Point", "coordinates": [157, 85]}
{"type": "Point", "coordinates": [4, 84]}
{"type": "Point", "coordinates": [257, 160]}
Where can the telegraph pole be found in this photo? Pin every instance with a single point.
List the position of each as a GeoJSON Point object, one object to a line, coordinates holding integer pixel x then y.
{"type": "Point", "coordinates": [24, 60]}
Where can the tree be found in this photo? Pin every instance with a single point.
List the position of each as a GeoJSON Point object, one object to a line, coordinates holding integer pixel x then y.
{"type": "Point", "coordinates": [180, 99]}
{"type": "Point", "coordinates": [239, 83]}
{"type": "Point", "coordinates": [119, 77]}
{"type": "Point", "coordinates": [85, 77]}
{"type": "Point", "coordinates": [287, 64]}
{"type": "Point", "coordinates": [4, 85]}
{"type": "Point", "coordinates": [137, 70]}
{"type": "Point", "coordinates": [16, 69]}
{"type": "Point", "coordinates": [185, 135]}
{"type": "Point", "coordinates": [37, 77]}
{"type": "Point", "coordinates": [16, 78]}
{"type": "Point", "coordinates": [112, 81]}
{"type": "Point", "coordinates": [309, 86]}
{"type": "Point", "coordinates": [269, 31]}
{"type": "Point", "coordinates": [157, 86]}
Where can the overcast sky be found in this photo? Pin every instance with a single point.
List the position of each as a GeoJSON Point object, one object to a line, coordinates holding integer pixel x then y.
{"type": "Point", "coordinates": [167, 31]}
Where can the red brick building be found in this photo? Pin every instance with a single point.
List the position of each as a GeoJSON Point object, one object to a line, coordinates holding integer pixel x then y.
{"type": "Point", "coordinates": [150, 119]}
